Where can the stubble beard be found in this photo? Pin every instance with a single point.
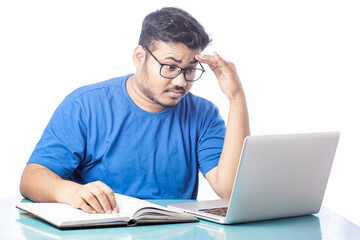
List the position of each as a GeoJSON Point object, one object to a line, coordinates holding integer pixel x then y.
{"type": "Point", "coordinates": [150, 95]}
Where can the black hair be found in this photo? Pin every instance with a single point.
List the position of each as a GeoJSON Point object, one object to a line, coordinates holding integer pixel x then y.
{"type": "Point", "coordinates": [174, 25]}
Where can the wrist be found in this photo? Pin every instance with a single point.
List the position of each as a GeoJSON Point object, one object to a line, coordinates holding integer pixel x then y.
{"type": "Point", "coordinates": [65, 191]}
{"type": "Point", "coordinates": [237, 99]}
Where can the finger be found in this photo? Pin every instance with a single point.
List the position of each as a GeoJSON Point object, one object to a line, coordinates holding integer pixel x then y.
{"type": "Point", "coordinates": [102, 204]}
{"type": "Point", "coordinates": [215, 62]}
{"type": "Point", "coordinates": [80, 203]}
{"type": "Point", "coordinates": [91, 199]}
{"type": "Point", "coordinates": [219, 59]}
{"type": "Point", "coordinates": [86, 207]}
{"type": "Point", "coordinates": [208, 59]}
{"type": "Point", "coordinates": [225, 66]}
{"type": "Point", "coordinates": [107, 197]}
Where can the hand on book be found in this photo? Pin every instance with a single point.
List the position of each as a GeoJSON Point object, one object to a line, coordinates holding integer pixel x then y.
{"type": "Point", "coordinates": [133, 211]}
{"type": "Point", "coordinates": [94, 197]}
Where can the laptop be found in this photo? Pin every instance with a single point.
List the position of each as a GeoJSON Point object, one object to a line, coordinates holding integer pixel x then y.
{"type": "Point", "coordinates": [278, 176]}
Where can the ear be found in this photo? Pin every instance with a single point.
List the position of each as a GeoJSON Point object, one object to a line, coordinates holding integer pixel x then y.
{"type": "Point", "coordinates": [139, 56]}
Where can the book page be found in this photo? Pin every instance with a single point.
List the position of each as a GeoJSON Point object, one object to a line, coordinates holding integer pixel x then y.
{"type": "Point", "coordinates": [65, 215]}
{"type": "Point", "coordinates": [141, 209]}
{"type": "Point", "coordinates": [128, 206]}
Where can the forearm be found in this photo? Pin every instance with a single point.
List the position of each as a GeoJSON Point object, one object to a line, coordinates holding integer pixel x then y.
{"type": "Point", "coordinates": [40, 184]}
{"type": "Point", "coordinates": [236, 131]}
{"type": "Point", "coordinates": [221, 178]}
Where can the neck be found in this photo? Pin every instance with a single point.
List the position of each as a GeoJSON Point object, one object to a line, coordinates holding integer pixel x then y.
{"type": "Point", "coordinates": [139, 98]}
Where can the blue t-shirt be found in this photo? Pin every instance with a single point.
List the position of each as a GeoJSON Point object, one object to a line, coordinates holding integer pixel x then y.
{"type": "Point", "coordinates": [99, 133]}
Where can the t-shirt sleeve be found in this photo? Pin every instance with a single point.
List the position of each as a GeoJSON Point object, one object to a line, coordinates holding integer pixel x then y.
{"type": "Point", "coordinates": [211, 141]}
{"type": "Point", "coordinates": [62, 144]}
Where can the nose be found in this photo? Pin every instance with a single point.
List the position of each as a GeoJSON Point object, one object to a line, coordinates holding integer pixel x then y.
{"type": "Point", "coordinates": [179, 80]}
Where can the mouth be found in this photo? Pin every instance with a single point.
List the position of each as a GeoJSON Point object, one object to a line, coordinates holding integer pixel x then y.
{"type": "Point", "coordinates": [176, 93]}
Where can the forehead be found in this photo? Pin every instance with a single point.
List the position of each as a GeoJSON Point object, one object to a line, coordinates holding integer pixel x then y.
{"type": "Point", "coordinates": [178, 50]}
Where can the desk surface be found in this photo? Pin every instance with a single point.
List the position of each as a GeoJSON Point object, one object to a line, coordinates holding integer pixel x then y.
{"type": "Point", "coordinates": [16, 224]}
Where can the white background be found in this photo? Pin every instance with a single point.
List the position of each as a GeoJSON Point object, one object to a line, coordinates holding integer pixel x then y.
{"type": "Point", "coordinates": [299, 62]}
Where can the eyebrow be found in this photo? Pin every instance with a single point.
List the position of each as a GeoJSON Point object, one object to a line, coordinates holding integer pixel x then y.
{"type": "Point", "coordinates": [179, 61]}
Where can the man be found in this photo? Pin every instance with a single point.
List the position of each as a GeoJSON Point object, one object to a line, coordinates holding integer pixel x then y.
{"type": "Point", "coordinates": [143, 135]}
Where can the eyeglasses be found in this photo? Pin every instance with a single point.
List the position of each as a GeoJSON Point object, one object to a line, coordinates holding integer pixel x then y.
{"type": "Point", "coordinates": [171, 71]}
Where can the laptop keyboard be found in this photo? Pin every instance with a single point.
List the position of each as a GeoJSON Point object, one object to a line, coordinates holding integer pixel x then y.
{"type": "Point", "coordinates": [217, 211]}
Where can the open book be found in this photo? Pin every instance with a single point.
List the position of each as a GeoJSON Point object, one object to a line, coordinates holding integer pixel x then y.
{"type": "Point", "coordinates": [132, 211]}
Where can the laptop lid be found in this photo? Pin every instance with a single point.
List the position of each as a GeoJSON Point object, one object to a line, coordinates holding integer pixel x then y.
{"type": "Point", "coordinates": [278, 176]}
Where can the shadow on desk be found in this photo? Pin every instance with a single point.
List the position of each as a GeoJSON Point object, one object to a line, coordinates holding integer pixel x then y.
{"type": "Point", "coordinates": [307, 227]}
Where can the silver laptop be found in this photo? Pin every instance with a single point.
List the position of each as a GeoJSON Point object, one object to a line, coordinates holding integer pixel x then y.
{"type": "Point", "coordinates": [278, 176]}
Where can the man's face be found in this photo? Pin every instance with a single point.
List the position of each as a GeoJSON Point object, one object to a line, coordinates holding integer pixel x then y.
{"type": "Point", "coordinates": [157, 90]}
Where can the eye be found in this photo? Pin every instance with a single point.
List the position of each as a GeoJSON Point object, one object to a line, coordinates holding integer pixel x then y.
{"type": "Point", "coordinates": [172, 68]}
{"type": "Point", "coordinates": [190, 70]}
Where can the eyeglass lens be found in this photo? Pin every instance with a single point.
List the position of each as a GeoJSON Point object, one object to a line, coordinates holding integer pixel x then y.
{"type": "Point", "coordinates": [172, 71]}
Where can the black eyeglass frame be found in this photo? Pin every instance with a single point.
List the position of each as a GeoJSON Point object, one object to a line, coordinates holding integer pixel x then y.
{"type": "Point", "coordinates": [182, 70]}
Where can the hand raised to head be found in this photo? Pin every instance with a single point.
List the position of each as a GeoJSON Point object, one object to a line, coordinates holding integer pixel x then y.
{"type": "Point", "coordinates": [226, 74]}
